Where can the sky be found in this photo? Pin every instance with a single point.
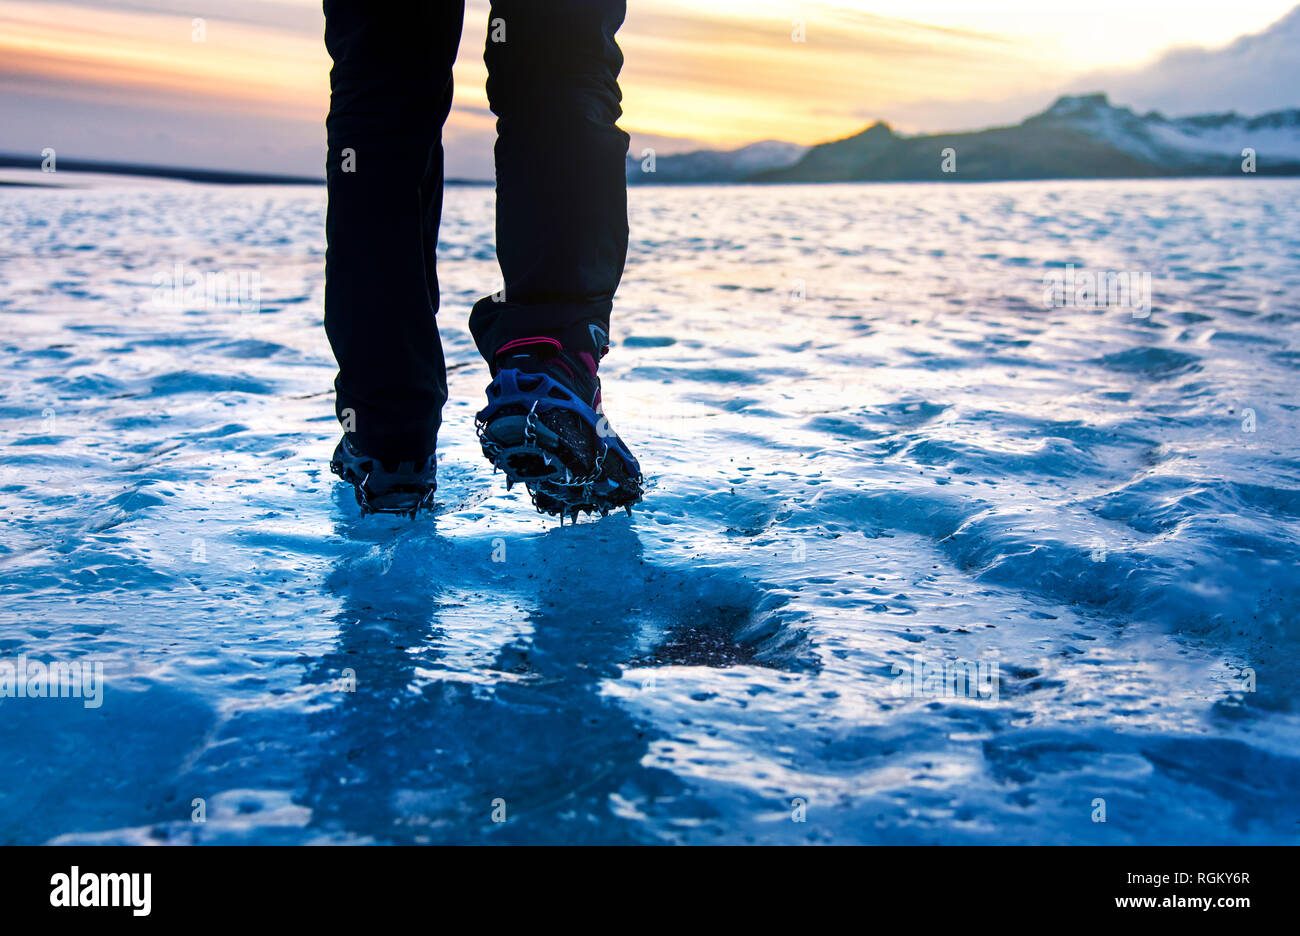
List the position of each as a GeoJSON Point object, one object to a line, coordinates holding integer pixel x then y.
{"type": "Point", "coordinates": [248, 88]}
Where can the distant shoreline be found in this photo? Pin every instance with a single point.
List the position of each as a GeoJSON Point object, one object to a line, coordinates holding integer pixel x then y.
{"type": "Point", "coordinates": [226, 177]}
{"type": "Point", "coordinates": [180, 173]}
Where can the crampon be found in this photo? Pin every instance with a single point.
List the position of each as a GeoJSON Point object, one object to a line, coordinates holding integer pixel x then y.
{"type": "Point", "coordinates": [539, 431]}
{"type": "Point", "coordinates": [404, 489]}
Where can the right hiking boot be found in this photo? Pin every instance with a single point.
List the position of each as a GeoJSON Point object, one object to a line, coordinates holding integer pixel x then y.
{"type": "Point", "coordinates": [403, 488]}
{"type": "Point", "coordinates": [544, 426]}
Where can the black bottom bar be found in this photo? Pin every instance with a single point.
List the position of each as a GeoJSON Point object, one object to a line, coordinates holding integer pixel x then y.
{"type": "Point", "coordinates": [332, 886]}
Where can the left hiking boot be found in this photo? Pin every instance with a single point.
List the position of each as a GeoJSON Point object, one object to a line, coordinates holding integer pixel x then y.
{"type": "Point", "coordinates": [544, 426]}
{"type": "Point", "coordinates": [403, 488]}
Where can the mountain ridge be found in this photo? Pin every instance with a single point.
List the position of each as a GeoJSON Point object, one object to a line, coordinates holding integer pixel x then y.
{"type": "Point", "coordinates": [1081, 136]}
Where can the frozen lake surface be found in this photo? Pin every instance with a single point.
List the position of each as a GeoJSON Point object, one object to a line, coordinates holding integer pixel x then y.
{"type": "Point", "coordinates": [875, 455]}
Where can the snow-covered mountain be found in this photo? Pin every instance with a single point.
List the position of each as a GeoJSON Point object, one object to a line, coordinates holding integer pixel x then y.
{"type": "Point", "coordinates": [1078, 137]}
{"type": "Point", "coordinates": [1189, 142]}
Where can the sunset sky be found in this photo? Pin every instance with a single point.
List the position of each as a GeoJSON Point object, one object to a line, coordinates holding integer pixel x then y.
{"type": "Point", "coordinates": [127, 81]}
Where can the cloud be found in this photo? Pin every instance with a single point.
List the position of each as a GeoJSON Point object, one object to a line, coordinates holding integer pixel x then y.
{"type": "Point", "coordinates": [735, 74]}
{"type": "Point", "coordinates": [697, 74]}
{"type": "Point", "coordinates": [1253, 75]}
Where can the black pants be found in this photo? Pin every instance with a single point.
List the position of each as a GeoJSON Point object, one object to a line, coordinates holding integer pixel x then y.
{"type": "Point", "coordinates": [561, 194]}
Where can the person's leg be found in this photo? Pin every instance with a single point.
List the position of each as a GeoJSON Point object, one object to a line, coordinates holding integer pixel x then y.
{"type": "Point", "coordinates": [390, 92]}
{"type": "Point", "coordinates": [561, 240]}
{"type": "Point", "coordinates": [560, 164]}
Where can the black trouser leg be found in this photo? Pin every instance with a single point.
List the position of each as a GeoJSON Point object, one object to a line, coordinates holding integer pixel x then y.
{"type": "Point", "coordinates": [561, 183]}
{"type": "Point", "coordinates": [390, 92]}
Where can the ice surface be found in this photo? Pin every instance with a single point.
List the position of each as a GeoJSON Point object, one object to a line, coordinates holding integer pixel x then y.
{"type": "Point", "coordinates": [869, 443]}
